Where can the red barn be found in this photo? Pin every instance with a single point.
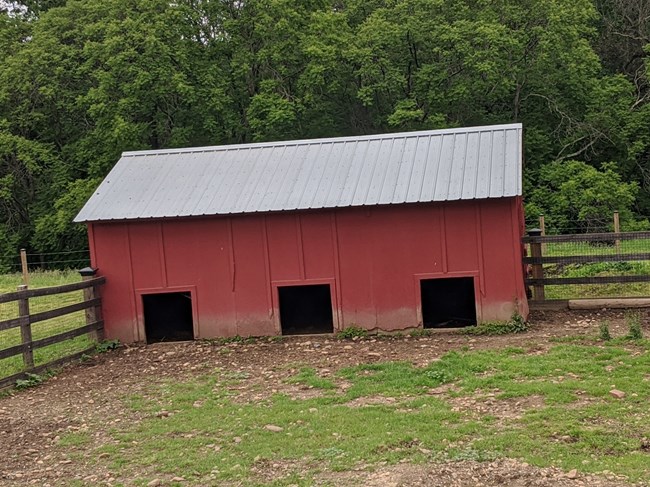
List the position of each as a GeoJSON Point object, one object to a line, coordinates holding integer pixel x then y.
{"type": "Point", "coordinates": [384, 232]}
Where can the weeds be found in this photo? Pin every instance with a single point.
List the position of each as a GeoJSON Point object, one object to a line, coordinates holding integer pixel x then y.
{"type": "Point", "coordinates": [421, 332]}
{"type": "Point", "coordinates": [604, 331]}
{"type": "Point", "coordinates": [352, 332]}
{"type": "Point", "coordinates": [516, 324]}
{"type": "Point", "coordinates": [107, 345]}
{"type": "Point", "coordinates": [227, 340]}
{"type": "Point", "coordinates": [633, 320]}
{"type": "Point", "coordinates": [31, 380]}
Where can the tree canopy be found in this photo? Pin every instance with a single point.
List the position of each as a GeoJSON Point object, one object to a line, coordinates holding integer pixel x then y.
{"type": "Point", "coordinates": [83, 80]}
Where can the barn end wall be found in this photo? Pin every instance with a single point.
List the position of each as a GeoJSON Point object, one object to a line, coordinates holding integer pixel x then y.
{"type": "Point", "coordinates": [373, 259]}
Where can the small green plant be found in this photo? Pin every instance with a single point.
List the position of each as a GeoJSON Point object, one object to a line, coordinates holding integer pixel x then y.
{"type": "Point", "coordinates": [516, 324]}
{"type": "Point", "coordinates": [31, 380]}
{"type": "Point", "coordinates": [604, 331]}
{"type": "Point", "coordinates": [107, 345]}
{"type": "Point", "coordinates": [633, 320]}
{"type": "Point", "coordinates": [352, 332]}
{"type": "Point", "coordinates": [421, 332]}
{"type": "Point", "coordinates": [235, 339]}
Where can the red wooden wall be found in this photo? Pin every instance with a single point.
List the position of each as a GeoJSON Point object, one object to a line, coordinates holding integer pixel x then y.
{"type": "Point", "coordinates": [372, 258]}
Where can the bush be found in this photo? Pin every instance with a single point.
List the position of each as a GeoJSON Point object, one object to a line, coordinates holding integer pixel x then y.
{"type": "Point", "coordinates": [574, 194]}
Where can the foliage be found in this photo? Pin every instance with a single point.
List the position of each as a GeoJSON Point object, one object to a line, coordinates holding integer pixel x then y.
{"type": "Point", "coordinates": [603, 329]}
{"type": "Point", "coordinates": [30, 380]}
{"type": "Point", "coordinates": [516, 324]}
{"type": "Point", "coordinates": [421, 332]}
{"type": "Point", "coordinates": [107, 345]}
{"type": "Point", "coordinates": [352, 332]}
{"type": "Point", "coordinates": [83, 80]}
{"type": "Point", "coordinates": [571, 193]}
{"type": "Point", "coordinates": [633, 320]}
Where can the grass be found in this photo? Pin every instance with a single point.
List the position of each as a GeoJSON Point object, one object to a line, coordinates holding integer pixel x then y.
{"type": "Point", "coordinates": [43, 329]}
{"type": "Point", "coordinates": [575, 424]}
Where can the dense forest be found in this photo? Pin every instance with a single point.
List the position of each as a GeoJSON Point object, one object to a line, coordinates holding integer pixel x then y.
{"type": "Point", "coordinates": [83, 80]}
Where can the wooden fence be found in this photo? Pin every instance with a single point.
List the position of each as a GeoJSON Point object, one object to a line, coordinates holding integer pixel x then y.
{"type": "Point", "coordinates": [94, 324]}
{"type": "Point", "coordinates": [538, 257]}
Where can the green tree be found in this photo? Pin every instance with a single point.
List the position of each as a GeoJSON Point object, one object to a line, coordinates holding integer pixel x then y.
{"type": "Point", "coordinates": [576, 197]}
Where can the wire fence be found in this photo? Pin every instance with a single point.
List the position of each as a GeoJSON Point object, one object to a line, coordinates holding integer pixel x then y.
{"type": "Point", "coordinates": [594, 265]}
{"type": "Point", "coordinates": [43, 271]}
{"type": "Point", "coordinates": [71, 259]}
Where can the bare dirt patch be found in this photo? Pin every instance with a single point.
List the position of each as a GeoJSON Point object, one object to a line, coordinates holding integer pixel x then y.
{"type": "Point", "coordinates": [489, 403]}
{"type": "Point", "coordinates": [469, 473]}
{"type": "Point", "coordinates": [83, 401]}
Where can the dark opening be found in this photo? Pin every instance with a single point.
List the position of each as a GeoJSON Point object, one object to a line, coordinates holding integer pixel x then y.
{"type": "Point", "coordinates": [306, 309]}
{"type": "Point", "coordinates": [168, 317]}
{"type": "Point", "coordinates": [448, 302]}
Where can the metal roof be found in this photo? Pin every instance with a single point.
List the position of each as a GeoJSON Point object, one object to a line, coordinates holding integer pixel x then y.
{"type": "Point", "coordinates": [410, 167]}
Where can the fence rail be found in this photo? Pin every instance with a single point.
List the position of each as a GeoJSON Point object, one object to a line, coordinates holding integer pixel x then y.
{"type": "Point", "coordinates": [91, 305]}
{"type": "Point", "coordinates": [550, 270]}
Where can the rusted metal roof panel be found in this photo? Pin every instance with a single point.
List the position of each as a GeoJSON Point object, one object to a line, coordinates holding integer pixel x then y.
{"type": "Point", "coordinates": [411, 167]}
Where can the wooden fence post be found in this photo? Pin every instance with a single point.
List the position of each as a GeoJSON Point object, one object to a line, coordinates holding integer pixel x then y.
{"type": "Point", "coordinates": [92, 313]}
{"type": "Point", "coordinates": [538, 268]}
{"type": "Point", "coordinates": [26, 330]}
{"type": "Point", "coordinates": [617, 229]}
{"type": "Point", "coordinates": [23, 265]}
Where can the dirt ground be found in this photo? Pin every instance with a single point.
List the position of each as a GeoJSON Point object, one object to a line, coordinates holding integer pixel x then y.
{"type": "Point", "coordinates": [89, 397]}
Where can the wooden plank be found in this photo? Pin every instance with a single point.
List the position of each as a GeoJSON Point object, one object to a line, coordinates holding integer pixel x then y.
{"type": "Point", "coordinates": [581, 259]}
{"type": "Point", "coordinates": [588, 280]}
{"type": "Point", "coordinates": [44, 342]}
{"type": "Point", "coordinates": [48, 291]}
{"type": "Point", "coordinates": [587, 237]}
{"type": "Point", "coordinates": [549, 304]}
{"type": "Point", "coordinates": [51, 340]}
{"type": "Point", "coordinates": [611, 303]}
{"type": "Point", "coordinates": [64, 310]}
{"type": "Point", "coordinates": [10, 381]}
{"type": "Point", "coordinates": [11, 351]}
{"type": "Point", "coordinates": [12, 323]}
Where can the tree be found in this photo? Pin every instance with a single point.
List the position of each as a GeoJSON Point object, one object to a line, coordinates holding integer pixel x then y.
{"type": "Point", "coordinates": [578, 198]}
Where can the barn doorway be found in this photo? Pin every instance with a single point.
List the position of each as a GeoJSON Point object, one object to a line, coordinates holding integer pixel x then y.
{"type": "Point", "coordinates": [306, 309]}
{"type": "Point", "coordinates": [168, 317]}
{"type": "Point", "coordinates": [448, 302]}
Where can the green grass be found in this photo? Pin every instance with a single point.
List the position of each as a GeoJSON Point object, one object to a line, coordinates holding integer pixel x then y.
{"type": "Point", "coordinates": [584, 248]}
{"type": "Point", "coordinates": [574, 424]}
{"type": "Point", "coordinates": [43, 329]}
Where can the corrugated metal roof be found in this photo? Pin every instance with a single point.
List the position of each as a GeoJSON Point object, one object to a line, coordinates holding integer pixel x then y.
{"type": "Point", "coordinates": [436, 165]}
